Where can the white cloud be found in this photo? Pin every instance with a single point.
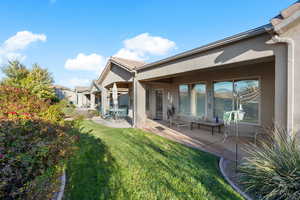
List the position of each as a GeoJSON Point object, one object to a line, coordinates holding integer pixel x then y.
{"type": "Point", "coordinates": [129, 54]}
{"type": "Point", "coordinates": [92, 62]}
{"type": "Point", "coordinates": [20, 41]}
{"type": "Point", "coordinates": [144, 45]}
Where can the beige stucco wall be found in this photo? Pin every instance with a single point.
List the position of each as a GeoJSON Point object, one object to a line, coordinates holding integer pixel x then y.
{"type": "Point", "coordinates": [293, 33]}
{"type": "Point", "coordinates": [245, 50]}
{"type": "Point", "coordinates": [264, 71]}
{"type": "Point", "coordinates": [116, 74]}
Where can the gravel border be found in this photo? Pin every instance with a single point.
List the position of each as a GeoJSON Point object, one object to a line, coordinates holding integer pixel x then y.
{"type": "Point", "coordinates": [235, 187]}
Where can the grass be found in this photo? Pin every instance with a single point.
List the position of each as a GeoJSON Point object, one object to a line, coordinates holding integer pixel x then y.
{"type": "Point", "coordinates": [129, 163]}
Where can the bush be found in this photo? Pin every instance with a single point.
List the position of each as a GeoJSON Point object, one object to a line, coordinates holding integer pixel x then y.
{"type": "Point", "coordinates": [272, 171]}
{"type": "Point", "coordinates": [33, 144]}
{"type": "Point", "coordinates": [19, 102]}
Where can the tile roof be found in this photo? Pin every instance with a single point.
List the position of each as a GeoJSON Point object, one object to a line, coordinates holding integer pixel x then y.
{"type": "Point", "coordinates": [129, 64]}
{"type": "Point", "coordinates": [82, 89]}
{"type": "Point", "coordinates": [286, 13]}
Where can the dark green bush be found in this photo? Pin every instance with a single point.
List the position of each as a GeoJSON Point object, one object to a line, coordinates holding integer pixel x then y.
{"type": "Point", "coordinates": [272, 170]}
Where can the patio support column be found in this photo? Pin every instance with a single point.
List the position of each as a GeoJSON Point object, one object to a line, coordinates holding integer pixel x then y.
{"type": "Point", "coordinates": [280, 107]}
{"type": "Point", "coordinates": [210, 100]}
{"type": "Point", "coordinates": [93, 98]}
{"type": "Point", "coordinates": [139, 104]}
{"type": "Point", "coordinates": [104, 100]}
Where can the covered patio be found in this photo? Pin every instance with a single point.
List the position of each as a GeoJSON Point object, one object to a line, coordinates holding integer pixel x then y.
{"type": "Point", "coordinates": [124, 91]}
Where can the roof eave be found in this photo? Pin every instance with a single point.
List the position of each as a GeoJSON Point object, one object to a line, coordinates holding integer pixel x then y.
{"type": "Point", "coordinates": [235, 38]}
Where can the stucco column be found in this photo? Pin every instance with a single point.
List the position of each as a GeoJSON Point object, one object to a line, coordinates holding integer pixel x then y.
{"type": "Point", "coordinates": [210, 100]}
{"type": "Point", "coordinates": [280, 99]}
{"type": "Point", "coordinates": [93, 99]}
{"type": "Point", "coordinates": [139, 104]}
{"type": "Point", "coordinates": [104, 94]}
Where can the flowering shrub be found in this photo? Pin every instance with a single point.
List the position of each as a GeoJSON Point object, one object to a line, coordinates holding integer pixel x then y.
{"type": "Point", "coordinates": [33, 144]}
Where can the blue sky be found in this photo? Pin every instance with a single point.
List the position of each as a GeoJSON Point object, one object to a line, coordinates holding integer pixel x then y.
{"type": "Point", "coordinates": [73, 38]}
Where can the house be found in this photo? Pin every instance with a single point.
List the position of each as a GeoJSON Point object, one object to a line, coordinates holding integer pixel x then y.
{"type": "Point", "coordinates": [120, 72]}
{"type": "Point", "coordinates": [260, 65]}
{"type": "Point", "coordinates": [202, 82]}
{"type": "Point", "coordinates": [83, 97]}
{"type": "Point", "coordinates": [65, 93]}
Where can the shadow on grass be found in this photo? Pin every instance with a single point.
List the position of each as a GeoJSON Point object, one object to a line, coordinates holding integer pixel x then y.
{"type": "Point", "coordinates": [90, 169]}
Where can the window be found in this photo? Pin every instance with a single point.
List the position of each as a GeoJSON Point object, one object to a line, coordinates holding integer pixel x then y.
{"type": "Point", "coordinates": [184, 99]}
{"type": "Point", "coordinates": [192, 99]}
{"type": "Point", "coordinates": [200, 101]}
{"type": "Point", "coordinates": [242, 94]}
{"type": "Point", "coordinates": [248, 99]}
{"type": "Point", "coordinates": [223, 98]}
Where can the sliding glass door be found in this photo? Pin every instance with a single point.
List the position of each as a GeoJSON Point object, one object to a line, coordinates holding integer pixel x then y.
{"type": "Point", "coordinates": [238, 94]}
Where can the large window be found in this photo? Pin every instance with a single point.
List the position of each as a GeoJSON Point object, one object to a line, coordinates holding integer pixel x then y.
{"type": "Point", "coordinates": [184, 99]}
{"type": "Point", "coordinates": [239, 94]}
{"type": "Point", "coordinates": [192, 99]}
{"type": "Point", "coordinates": [223, 98]}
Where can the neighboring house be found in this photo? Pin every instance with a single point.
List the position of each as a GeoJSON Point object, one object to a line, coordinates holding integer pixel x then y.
{"type": "Point", "coordinates": [121, 72]}
{"type": "Point", "coordinates": [201, 82]}
{"type": "Point", "coordinates": [65, 93]}
{"type": "Point", "coordinates": [95, 94]}
{"type": "Point", "coordinates": [83, 97]}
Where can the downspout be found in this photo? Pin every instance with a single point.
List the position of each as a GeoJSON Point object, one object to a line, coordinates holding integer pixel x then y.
{"type": "Point", "coordinates": [290, 83]}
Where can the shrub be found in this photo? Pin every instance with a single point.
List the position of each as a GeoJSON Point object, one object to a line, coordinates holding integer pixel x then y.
{"type": "Point", "coordinates": [272, 171]}
{"type": "Point", "coordinates": [16, 102]}
{"type": "Point", "coordinates": [29, 149]}
{"type": "Point", "coordinates": [33, 144]}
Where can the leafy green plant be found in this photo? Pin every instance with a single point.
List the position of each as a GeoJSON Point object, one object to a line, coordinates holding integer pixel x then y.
{"type": "Point", "coordinates": [272, 169]}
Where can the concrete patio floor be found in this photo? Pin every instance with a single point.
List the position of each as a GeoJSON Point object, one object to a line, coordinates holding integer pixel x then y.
{"type": "Point", "coordinates": [119, 123]}
{"type": "Point", "coordinates": [201, 139]}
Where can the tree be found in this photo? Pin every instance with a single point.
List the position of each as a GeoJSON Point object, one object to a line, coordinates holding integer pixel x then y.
{"type": "Point", "coordinates": [15, 72]}
{"type": "Point", "coordinates": [37, 80]}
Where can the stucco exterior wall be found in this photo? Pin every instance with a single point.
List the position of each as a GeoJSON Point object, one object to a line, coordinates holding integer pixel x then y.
{"type": "Point", "coordinates": [293, 33]}
{"type": "Point", "coordinates": [245, 50]}
{"type": "Point", "coordinates": [116, 74]}
{"type": "Point", "coordinates": [264, 71]}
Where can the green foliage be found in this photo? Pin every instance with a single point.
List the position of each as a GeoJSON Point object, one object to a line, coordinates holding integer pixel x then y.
{"type": "Point", "coordinates": [272, 170]}
{"type": "Point", "coordinates": [37, 80]}
{"type": "Point", "coordinates": [33, 144]}
{"type": "Point", "coordinates": [18, 102]}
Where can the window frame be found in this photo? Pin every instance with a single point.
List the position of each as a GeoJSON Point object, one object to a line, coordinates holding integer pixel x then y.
{"type": "Point", "coordinates": [233, 80]}
{"type": "Point", "coordinates": [190, 84]}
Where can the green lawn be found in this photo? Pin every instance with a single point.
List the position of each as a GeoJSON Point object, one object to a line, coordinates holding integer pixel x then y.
{"type": "Point", "coordinates": [132, 164]}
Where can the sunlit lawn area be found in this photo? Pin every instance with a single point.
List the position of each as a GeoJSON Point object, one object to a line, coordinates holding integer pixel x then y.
{"type": "Point", "coordinates": [132, 164]}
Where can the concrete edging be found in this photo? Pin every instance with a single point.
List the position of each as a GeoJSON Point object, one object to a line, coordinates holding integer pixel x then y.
{"type": "Point", "coordinates": [235, 187]}
{"type": "Point", "coordinates": [62, 186]}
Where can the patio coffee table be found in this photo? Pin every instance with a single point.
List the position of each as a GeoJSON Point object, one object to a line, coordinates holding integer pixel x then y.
{"type": "Point", "coordinates": [210, 124]}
